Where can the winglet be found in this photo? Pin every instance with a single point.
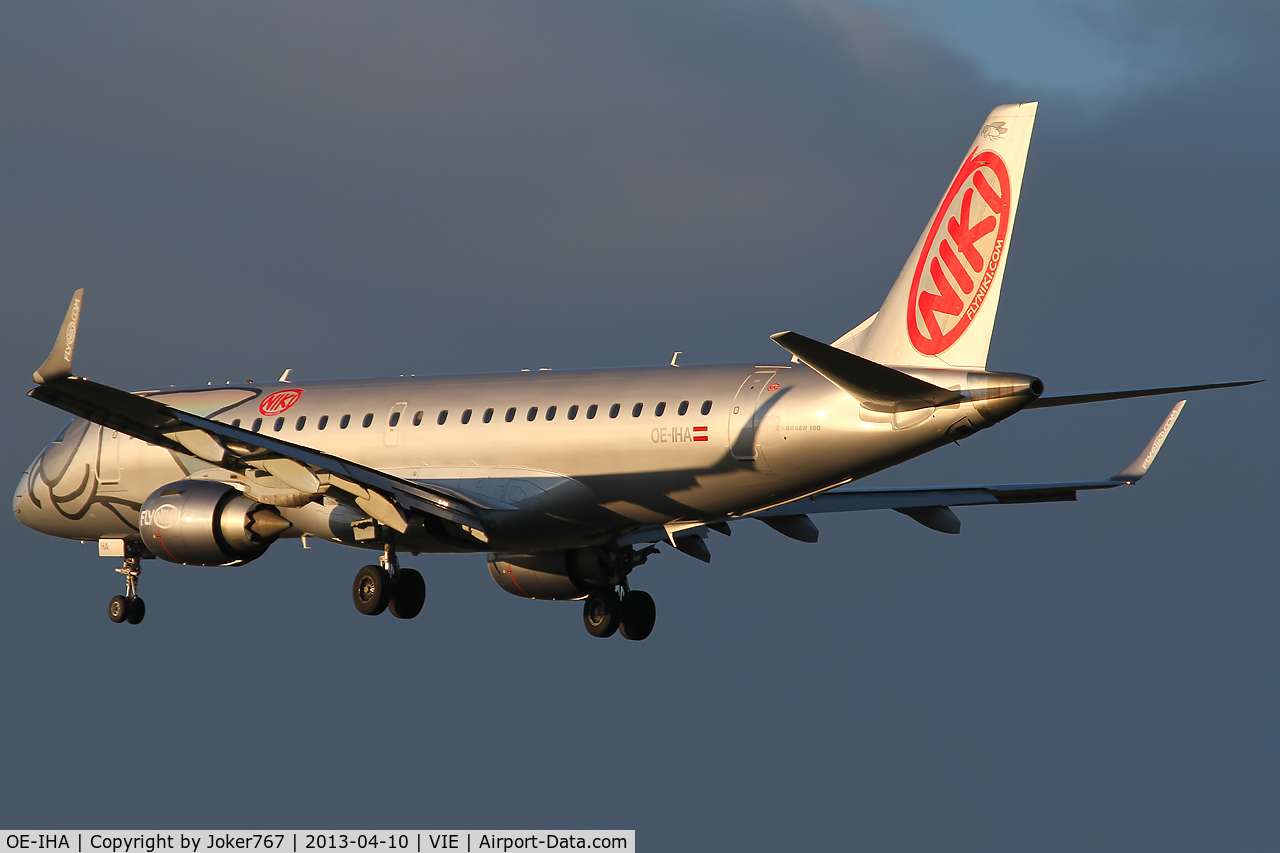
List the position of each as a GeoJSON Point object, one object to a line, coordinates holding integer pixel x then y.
{"type": "Point", "coordinates": [58, 364]}
{"type": "Point", "coordinates": [1134, 472]}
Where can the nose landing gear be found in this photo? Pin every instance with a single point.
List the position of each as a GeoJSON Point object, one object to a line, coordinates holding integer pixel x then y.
{"type": "Point", "coordinates": [128, 607]}
{"type": "Point", "coordinates": [388, 587]}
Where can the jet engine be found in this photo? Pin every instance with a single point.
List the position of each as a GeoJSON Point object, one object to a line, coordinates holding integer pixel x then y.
{"type": "Point", "coordinates": [200, 523]}
{"type": "Point", "coordinates": [552, 575]}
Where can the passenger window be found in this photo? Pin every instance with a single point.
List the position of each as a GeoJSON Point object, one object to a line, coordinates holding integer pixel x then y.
{"type": "Point", "coordinates": [591, 411]}
{"type": "Point", "coordinates": [342, 424]}
{"type": "Point", "coordinates": [637, 409]}
{"type": "Point", "coordinates": [368, 421]}
{"type": "Point", "coordinates": [442, 417]}
{"type": "Point", "coordinates": [488, 415]}
{"type": "Point", "coordinates": [511, 414]}
{"type": "Point", "coordinates": [614, 409]}
{"type": "Point", "coordinates": [533, 413]}
{"type": "Point", "coordinates": [573, 412]}
{"type": "Point", "coordinates": [706, 407]}
{"type": "Point", "coordinates": [301, 422]}
{"type": "Point", "coordinates": [279, 425]}
{"type": "Point", "coordinates": [466, 416]}
{"type": "Point", "coordinates": [417, 417]}
{"type": "Point", "coordinates": [551, 413]}
{"type": "Point", "coordinates": [684, 407]}
{"type": "Point", "coordinates": [257, 424]}
{"type": "Point", "coordinates": [394, 419]}
{"type": "Point", "coordinates": [659, 409]}
{"type": "Point", "coordinates": [236, 423]}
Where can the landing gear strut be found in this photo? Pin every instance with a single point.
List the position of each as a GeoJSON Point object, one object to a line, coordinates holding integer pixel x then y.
{"type": "Point", "coordinates": [386, 586]}
{"type": "Point", "coordinates": [128, 607]}
{"type": "Point", "coordinates": [618, 607]}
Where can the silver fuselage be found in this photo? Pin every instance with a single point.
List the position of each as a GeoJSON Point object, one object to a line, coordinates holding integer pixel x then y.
{"type": "Point", "coordinates": [556, 473]}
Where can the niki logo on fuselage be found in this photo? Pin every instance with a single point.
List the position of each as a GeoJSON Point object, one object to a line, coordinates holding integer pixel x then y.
{"type": "Point", "coordinates": [280, 401]}
{"type": "Point", "coordinates": [963, 250]}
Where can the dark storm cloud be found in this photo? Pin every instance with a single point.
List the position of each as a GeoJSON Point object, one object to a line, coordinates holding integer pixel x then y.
{"type": "Point", "coordinates": [384, 188]}
{"type": "Point", "coordinates": [469, 162]}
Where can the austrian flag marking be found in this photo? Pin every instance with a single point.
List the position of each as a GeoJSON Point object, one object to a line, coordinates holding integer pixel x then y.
{"type": "Point", "coordinates": [700, 434]}
{"type": "Point", "coordinates": [962, 253]}
{"type": "Point", "coordinates": [280, 401]}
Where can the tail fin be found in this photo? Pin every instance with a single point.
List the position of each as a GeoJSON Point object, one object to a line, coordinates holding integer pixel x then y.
{"type": "Point", "coordinates": [942, 308]}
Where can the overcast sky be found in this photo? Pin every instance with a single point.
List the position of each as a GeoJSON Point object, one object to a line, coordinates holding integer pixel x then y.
{"type": "Point", "coordinates": [386, 188]}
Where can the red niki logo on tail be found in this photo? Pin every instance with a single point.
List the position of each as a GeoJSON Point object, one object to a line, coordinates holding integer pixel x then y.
{"type": "Point", "coordinates": [274, 404]}
{"type": "Point", "coordinates": [962, 252]}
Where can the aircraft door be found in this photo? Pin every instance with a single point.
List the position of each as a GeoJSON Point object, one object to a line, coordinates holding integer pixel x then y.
{"type": "Point", "coordinates": [393, 423]}
{"type": "Point", "coordinates": [742, 415]}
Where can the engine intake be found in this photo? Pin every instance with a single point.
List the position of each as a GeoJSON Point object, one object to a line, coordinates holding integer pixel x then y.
{"type": "Point", "coordinates": [199, 523]}
{"type": "Point", "coordinates": [552, 575]}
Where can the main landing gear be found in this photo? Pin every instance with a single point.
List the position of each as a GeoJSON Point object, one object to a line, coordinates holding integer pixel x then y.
{"type": "Point", "coordinates": [632, 613]}
{"type": "Point", "coordinates": [614, 606]}
{"type": "Point", "coordinates": [128, 607]}
{"type": "Point", "coordinates": [388, 587]}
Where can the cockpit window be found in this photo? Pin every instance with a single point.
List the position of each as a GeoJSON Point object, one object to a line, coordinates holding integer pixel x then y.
{"type": "Point", "coordinates": [57, 456]}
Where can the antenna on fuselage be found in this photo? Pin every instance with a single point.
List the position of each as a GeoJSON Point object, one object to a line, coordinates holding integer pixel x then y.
{"type": "Point", "coordinates": [284, 377]}
{"type": "Point", "coordinates": [674, 356]}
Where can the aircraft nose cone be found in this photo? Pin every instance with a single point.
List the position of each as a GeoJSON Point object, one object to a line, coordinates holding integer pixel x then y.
{"type": "Point", "coordinates": [23, 509]}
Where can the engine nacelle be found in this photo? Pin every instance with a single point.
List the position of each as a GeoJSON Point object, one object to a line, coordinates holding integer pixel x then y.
{"type": "Point", "coordinates": [200, 523]}
{"type": "Point", "coordinates": [552, 575]}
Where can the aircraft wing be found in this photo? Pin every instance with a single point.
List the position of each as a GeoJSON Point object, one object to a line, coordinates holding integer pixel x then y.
{"type": "Point", "coordinates": [929, 506]}
{"type": "Point", "coordinates": [932, 506]}
{"type": "Point", "coordinates": [386, 498]}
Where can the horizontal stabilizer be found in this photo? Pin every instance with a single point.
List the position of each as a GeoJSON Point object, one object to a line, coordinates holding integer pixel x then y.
{"type": "Point", "coordinates": [874, 384]}
{"type": "Point", "coordinates": [1099, 396]}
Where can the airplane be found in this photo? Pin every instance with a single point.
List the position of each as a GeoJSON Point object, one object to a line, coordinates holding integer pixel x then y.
{"type": "Point", "coordinates": [567, 479]}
